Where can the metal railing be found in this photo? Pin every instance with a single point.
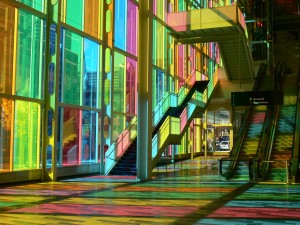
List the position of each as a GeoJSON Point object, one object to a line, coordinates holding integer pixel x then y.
{"type": "Point", "coordinates": [287, 168]}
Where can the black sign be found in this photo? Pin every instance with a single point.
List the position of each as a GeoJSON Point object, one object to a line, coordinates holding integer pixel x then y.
{"type": "Point", "coordinates": [256, 98]}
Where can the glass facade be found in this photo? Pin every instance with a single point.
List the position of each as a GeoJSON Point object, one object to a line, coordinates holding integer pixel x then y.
{"type": "Point", "coordinates": [92, 68]}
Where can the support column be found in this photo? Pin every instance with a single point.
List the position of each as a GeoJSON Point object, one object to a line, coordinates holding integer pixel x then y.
{"type": "Point", "coordinates": [144, 114]}
{"type": "Point", "coordinates": [52, 58]}
{"type": "Point", "coordinates": [270, 34]}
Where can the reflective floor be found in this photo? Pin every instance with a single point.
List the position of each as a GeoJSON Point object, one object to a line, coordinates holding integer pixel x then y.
{"type": "Point", "coordinates": [189, 193]}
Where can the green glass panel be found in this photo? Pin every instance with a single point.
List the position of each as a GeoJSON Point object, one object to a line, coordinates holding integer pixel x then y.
{"type": "Point", "coordinates": [160, 6]}
{"type": "Point", "coordinates": [154, 41]}
{"type": "Point", "coordinates": [74, 13]}
{"type": "Point", "coordinates": [26, 136]}
{"type": "Point", "coordinates": [159, 44]}
{"type": "Point", "coordinates": [119, 83]}
{"type": "Point", "coordinates": [181, 5]}
{"type": "Point", "coordinates": [118, 125]}
{"type": "Point", "coordinates": [29, 71]}
{"type": "Point", "coordinates": [107, 60]}
{"type": "Point", "coordinates": [108, 21]}
{"type": "Point", "coordinates": [72, 68]}
{"type": "Point", "coordinates": [154, 103]}
{"type": "Point", "coordinates": [107, 92]}
{"type": "Point", "coordinates": [36, 4]}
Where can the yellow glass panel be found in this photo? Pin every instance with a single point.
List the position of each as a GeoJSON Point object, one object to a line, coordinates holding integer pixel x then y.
{"type": "Point", "coordinates": [7, 21]}
{"type": "Point", "coordinates": [107, 60]}
{"type": "Point", "coordinates": [108, 21]}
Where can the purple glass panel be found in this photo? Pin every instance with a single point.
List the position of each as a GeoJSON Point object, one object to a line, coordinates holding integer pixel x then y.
{"type": "Point", "coordinates": [180, 60]}
{"type": "Point", "coordinates": [131, 86]}
{"type": "Point", "coordinates": [132, 28]}
{"type": "Point", "coordinates": [154, 7]}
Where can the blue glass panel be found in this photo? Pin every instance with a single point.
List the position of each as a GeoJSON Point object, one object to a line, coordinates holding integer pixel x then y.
{"type": "Point", "coordinates": [49, 126]}
{"type": "Point", "coordinates": [51, 79]}
{"type": "Point", "coordinates": [120, 24]}
{"type": "Point", "coordinates": [49, 156]}
{"type": "Point", "coordinates": [91, 73]}
{"type": "Point", "coordinates": [52, 39]}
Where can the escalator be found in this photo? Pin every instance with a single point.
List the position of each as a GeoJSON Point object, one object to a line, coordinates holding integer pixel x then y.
{"type": "Point", "coordinates": [123, 159]}
{"type": "Point", "coordinates": [250, 143]}
{"type": "Point", "coordinates": [258, 140]}
{"type": "Point", "coordinates": [279, 158]}
{"type": "Point", "coordinates": [246, 144]}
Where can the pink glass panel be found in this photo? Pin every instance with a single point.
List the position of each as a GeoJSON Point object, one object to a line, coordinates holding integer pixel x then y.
{"type": "Point", "coordinates": [132, 28]}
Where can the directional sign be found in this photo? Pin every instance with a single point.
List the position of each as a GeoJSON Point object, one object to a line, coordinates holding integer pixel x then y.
{"type": "Point", "coordinates": [256, 98]}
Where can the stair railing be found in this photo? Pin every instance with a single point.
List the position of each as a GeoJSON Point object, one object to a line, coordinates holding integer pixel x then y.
{"type": "Point", "coordinates": [119, 147]}
{"type": "Point", "coordinates": [172, 126]}
{"type": "Point", "coordinates": [179, 124]}
{"type": "Point", "coordinates": [172, 99]}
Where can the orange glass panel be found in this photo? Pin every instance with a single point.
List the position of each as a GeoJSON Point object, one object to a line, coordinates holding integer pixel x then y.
{"type": "Point", "coordinates": [5, 133]}
{"type": "Point", "coordinates": [91, 18]}
{"type": "Point", "coordinates": [7, 20]}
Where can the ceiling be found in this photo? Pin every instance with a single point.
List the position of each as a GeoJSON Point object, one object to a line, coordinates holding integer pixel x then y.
{"type": "Point", "coordinates": [285, 14]}
{"type": "Point", "coordinates": [284, 18]}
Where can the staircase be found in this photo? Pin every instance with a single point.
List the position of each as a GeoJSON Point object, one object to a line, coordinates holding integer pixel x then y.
{"type": "Point", "coordinates": [284, 134]}
{"type": "Point", "coordinates": [126, 165]}
{"type": "Point", "coordinates": [70, 142]}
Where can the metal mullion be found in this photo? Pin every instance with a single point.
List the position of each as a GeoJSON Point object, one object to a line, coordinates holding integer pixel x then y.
{"type": "Point", "coordinates": [26, 8]}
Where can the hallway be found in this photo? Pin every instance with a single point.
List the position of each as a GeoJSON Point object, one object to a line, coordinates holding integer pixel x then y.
{"type": "Point", "coordinates": [191, 192]}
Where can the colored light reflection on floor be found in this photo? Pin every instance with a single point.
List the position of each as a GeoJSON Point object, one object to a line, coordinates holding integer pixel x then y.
{"type": "Point", "coordinates": [191, 194]}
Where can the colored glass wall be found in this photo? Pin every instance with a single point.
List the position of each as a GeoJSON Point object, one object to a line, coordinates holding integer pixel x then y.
{"type": "Point", "coordinates": [21, 85]}
{"type": "Point", "coordinates": [95, 76]}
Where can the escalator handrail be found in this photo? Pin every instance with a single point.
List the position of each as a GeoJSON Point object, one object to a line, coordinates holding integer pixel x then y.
{"type": "Point", "coordinates": [265, 152]}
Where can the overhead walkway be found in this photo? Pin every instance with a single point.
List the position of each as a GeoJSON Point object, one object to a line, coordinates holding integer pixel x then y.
{"type": "Point", "coordinates": [224, 25]}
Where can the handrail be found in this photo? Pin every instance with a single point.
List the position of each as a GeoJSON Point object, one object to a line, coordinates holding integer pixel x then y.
{"type": "Point", "coordinates": [113, 156]}
{"type": "Point", "coordinates": [265, 153]}
{"type": "Point", "coordinates": [190, 81]}
{"type": "Point", "coordinates": [287, 167]}
{"type": "Point", "coordinates": [220, 171]}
